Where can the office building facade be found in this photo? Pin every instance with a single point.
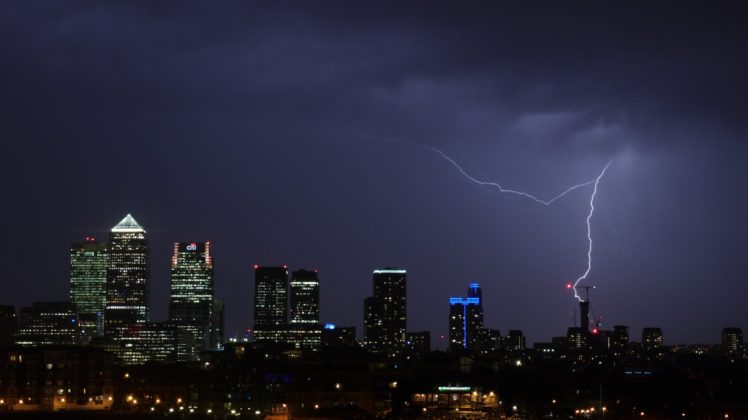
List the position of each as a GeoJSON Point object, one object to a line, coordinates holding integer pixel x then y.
{"type": "Point", "coordinates": [191, 300]}
{"type": "Point", "coordinates": [271, 303]}
{"type": "Point", "coordinates": [304, 329]}
{"type": "Point", "coordinates": [48, 323]}
{"type": "Point", "coordinates": [88, 274]}
{"type": "Point", "coordinates": [128, 269]}
{"type": "Point", "coordinates": [385, 313]}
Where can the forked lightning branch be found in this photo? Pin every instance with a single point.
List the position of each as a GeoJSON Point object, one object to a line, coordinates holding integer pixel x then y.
{"type": "Point", "coordinates": [546, 202]}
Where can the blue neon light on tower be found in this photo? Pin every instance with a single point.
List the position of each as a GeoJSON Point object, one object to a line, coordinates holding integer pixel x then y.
{"type": "Point", "coordinates": [466, 319]}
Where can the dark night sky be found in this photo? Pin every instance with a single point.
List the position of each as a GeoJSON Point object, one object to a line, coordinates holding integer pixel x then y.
{"type": "Point", "coordinates": [245, 124]}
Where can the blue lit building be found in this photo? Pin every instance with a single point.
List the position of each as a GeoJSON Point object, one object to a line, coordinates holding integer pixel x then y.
{"type": "Point", "coordinates": [466, 320]}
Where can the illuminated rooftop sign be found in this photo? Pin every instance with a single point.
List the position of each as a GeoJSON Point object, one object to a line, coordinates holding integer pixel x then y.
{"type": "Point", "coordinates": [454, 388]}
{"type": "Point", "coordinates": [390, 271]}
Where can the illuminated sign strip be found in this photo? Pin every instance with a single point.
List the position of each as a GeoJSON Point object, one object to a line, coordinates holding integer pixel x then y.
{"type": "Point", "coordinates": [454, 388]}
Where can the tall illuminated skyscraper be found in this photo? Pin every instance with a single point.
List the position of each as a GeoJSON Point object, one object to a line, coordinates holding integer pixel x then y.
{"type": "Point", "coordinates": [304, 297]}
{"type": "Point", "coordinates": [127, 289]}
{"type": "Point", "coordinates": [304, 329]}
{"type": "Point", "coordinates": [385, 313]}
{"type": "Point", "coordinates": [271, 303]}
{"type": "Point", "coordinates": [191, 298]}
{"type": "Point", "coordinates": [88, 273]}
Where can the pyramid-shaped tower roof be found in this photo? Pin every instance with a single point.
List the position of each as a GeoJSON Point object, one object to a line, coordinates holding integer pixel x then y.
{"type": "Point", "coordinates": [128, 224]}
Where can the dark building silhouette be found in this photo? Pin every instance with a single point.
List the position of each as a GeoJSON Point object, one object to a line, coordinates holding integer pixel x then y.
{"type": "Point", "coordinates": [385, 313]}
{"type": "Point", "coordinates": [271, 303]}
{"type": "Point", "coordinates": [577, 339]}
{"type": "Point", "coordinates": [88, 273]}
{"type": "Point", "coordinates": [732, 342]}
{"type": "Point", "coordinates": [217, 324]}
{"type": "Point", "coordinates": [515, 341]}
{"type": "Point", "coordinates": [619, 340]}
{"type": "Point", "coordinates": [418, 343]}
{"type": "Point", "coordinates": [338, 337]}
{"type": "Point", "coordinates": [56, 378]}
{"type": "Point", "coordinates": [584, 312]}
{"type": "Point", "coordinates": [48, 323]}
{"type": "Point", "coordinates": [652, 343]}
{"type": "Point", "coordinates": [373, 314]}
{"type": "Point", "coordinates": [191, 301]}
{"type": "Point", "coordinates": [8, 325]}
{"type": "Point", "coordinates": [490, 342]}
{"type": "Point", "coordinates": [128, 268]}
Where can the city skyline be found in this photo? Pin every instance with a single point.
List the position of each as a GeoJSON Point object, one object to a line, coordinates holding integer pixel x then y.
{"type": "Point", "coordinates": [195, 273]}
{"type": "Point", "coordinates": [254, 127]}
{"type": "Point", "coordinates": [299, 293]}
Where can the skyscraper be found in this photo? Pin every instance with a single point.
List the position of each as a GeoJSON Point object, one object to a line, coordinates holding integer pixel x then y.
{"type": "Point", "coordinates": [88, 273]}
{"type": "Point", "coordinates": [466, 320]}
{"type": "Point", "coordinates": [271, 307]}
{"type": "Point", "coordinates": [304, 297]}
{"type": "Point", "coordinates": [304, 329]}
{"type": "Point", "coordinates": [191, 298]}
{"type": "Point", "coordinates": [127, 277]}
{"type": "Point", "coordinates": [385, 313]}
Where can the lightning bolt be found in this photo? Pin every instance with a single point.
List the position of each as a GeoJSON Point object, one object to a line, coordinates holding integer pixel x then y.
{"type": "Point", "coordinates": [589, 232]}
{"type": "Point", "coordinates": [532, 197]}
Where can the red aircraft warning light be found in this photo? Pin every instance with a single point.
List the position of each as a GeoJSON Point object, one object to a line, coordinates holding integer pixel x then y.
{"type": "Point", "coordinates": [569, 285]}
